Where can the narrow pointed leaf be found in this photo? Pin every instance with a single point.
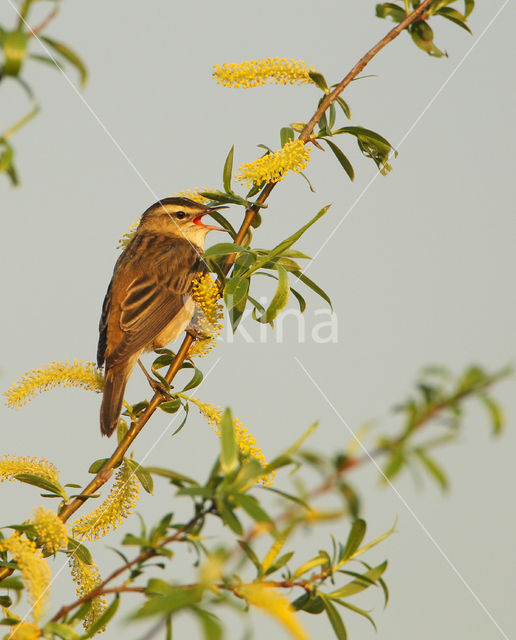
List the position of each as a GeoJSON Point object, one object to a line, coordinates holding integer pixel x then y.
{"type": "Point", "coordinates": [228, 170]}
{"type": "Point", "coordinates": [69, 55]}
{"type": "Point", "coordinates": [345, 163]}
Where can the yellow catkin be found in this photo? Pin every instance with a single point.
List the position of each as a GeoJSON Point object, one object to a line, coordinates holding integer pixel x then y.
{"type": "Point", "coordinates": [192, 194]}
{"type": "Point", "coordinates": [34, 570]}
{"type": "Point", "coordinates": [208, 316]}
{"type": "Point", "coordinates": [254, 73]}
{"type": "Point", "coordinates": [24, 631]}
{"type": "Point", "coordinates": [51, 533]}
{"type": "Point", "coordinates": [11, 465]}
{"type": "Point", "coordinates": [270, 600]}
{"type": "Point", "coordinates": [244, 438]}
{"type": "Point", "coordinates": [86, 578]}
{"type": "Point", "coordinates": [81, 374]}
{"type": "Point", "coordinates": [118, 505]}
{"type": "Point", "coordinates": [273, 167]}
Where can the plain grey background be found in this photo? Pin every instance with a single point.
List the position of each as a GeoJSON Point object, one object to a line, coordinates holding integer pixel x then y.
{"type": "Point", "coordinates": [421, 271]}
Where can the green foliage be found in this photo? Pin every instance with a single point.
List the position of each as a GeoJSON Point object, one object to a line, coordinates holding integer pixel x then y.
{"type": "Point", "coordinates": [16, 51]}
{"type": "Point", "coordinates": [420, 31]}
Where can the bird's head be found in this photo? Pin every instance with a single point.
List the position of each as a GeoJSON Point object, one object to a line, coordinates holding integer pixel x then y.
{"type": "Point", "coordinates": [179, 217]}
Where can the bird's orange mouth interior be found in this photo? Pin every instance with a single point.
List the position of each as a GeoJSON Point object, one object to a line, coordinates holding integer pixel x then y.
{"type": "Point", "coordinates": [198, 220]}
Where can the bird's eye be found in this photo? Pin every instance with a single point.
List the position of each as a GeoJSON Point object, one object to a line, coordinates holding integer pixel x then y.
{"type": "Point", "coordinates": [180, 215]}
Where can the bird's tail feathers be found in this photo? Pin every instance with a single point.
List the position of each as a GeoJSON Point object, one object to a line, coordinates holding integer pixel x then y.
{"type": "Point", "coordinates": [114, 388]}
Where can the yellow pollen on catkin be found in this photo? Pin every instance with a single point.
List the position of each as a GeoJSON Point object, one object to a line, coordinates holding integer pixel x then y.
{"type": "Point", "coordinates": [24, 631]}
{"type": "Point", "coordinates": [273, 167]}
{"type": "Point", "coordinates": [118, 505]}
{"type": "Point", "coordinates": [245, 440]}
{"type": "Point", "coordinates": [10, 466]}
{"type": "Point", "coordinates": [191, 194]}
{"type": "Point", "coordinates": [85, 375]}
{"type": "Point", "coordinates": [51, 533]}
{"type": "Point", "coordinates": [86, 578]}
{"type": "Point", "coordinates": [207, 320]}
{"type": "Point", "coordinates": [34, 570]}
{"type": "Point", "coordinates": [255, 73]}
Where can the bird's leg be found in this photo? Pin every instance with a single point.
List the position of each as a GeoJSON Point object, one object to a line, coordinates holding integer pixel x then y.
{"type": "Point", "coordinates": [156, 385]}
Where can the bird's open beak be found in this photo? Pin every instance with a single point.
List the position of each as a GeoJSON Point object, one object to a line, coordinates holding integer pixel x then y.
{"type": "Point", "coordinates": [198, 219]}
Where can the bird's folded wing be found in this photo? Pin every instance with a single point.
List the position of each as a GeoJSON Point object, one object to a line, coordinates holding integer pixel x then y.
{"type": "Point", "coordinates": [146, 294]}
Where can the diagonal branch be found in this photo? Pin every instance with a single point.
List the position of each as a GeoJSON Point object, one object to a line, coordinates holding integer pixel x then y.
{"type": "Point", "coordinates": [117, 456]}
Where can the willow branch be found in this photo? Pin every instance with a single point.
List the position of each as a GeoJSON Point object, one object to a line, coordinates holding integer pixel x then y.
{"type": "Point", "coordinates": [157, 399]}
{"type": "Point", "coordinates": [102, 477]}
{"type": "Point", "coordinates": [141, 557]}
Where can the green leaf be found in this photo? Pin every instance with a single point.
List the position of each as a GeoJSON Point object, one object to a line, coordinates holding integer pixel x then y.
{"type": "Point", "coordinates": [288, 242]}
{"type": "Point", "coordinates": [301, 301]}
{"type": "Point", "coordinates": [80, 550]}
{"type": "Point", "coordinates": [178, 598]}
{"type": "Point", "coordinates": [324, 128]}
{"type": "Point", "coordinates": [360, 582]}
{"type": "Point", "coordinates": [423, 36]}
{"type": "Point", "coordinates": [121, 430]}
{"type": "Point", "coordinates": [229, 447]}
{"type": "Point", "coordinates": [252, 507]}
{"type": "Point", "coordinates": [211, 627]}
{"type": "Point", "coordinates": [345, 163]}
{"type": "Point", "coordinates": [319, 80]}
{"type": "Point", "coordinates": [196, 379]}
{"type": "Point", "coordinates": [12, 583]}
{"type": "Point", "coordinates": [69, 55]}
{"type": "Point", "coordinates": [229, 518]}
{"type": "Point", "coordinates": [224, 249]}
{"type": "Point", "coordinates": [469, 5]}
{"type": "Point", "coordinates": [345, 107]}
{"type": "Point", "coordinates": [454, 16]}
{"type": "Point", "coordinates": [433, 468]}
{"type": "Point", "coordinates": [171, 406]}
{"type": "Point", "coordinates": [314, 287]}
{"type": "Point", "coordinates": [495, 413]}
{"type": "Point", "coordinates": [355, 537]}
{"type": "Point", "coordinates": [175, 478]}
{"type": "Point", "coordinates": [280, 298]}
{"type": "Point", "coordinates": [224, 222]}
{"type": "Point", "coordinates": [334, 618]}
{"type": "Point", "coordinates": [97, 465]}
{"type": "Point", "coordinates": [286, 135]}
{"type": "Point", "coordinates": [332, 116]}
{"type": "Point", "coordinates": [142, 474]}
{"type": "Point", "coordinates": [5, 601]}
{"type": "Point", "coordinates": [228, 170]}
{"type": "Point", "coordinates": [235, 292]}
{"type": "Point", "coordinates": [361, 612]}
{"type": "Point", "coordinates": [310, 603]}
{"type": "Point", "coordinates": [64, 631]}
{"type": "Point", "coordinates": [42, 483]}
{"type": "Point", "coordinates": [251, 555]}
{"type": "Point", "coordinates": [394, 465]}
{"type": "Point", "coordinates": [104, 618]}
{"type": "Point", "coordinates": [390, 10]}
{"type": "Point", "coordinates": [250, 470]}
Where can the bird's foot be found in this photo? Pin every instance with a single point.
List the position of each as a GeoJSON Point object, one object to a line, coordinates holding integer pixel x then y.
{"type": "Point", "coordinates": [197, 334]}
{"type": "Point", "coordinates": [157, 386]}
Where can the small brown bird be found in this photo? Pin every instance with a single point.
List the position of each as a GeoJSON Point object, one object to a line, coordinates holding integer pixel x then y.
{"type": "Point", "coordinates": [148, 303]}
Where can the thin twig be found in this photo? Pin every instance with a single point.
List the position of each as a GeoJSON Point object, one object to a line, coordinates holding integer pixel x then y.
{"type": "Point", "coordinates": [141, 557]}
